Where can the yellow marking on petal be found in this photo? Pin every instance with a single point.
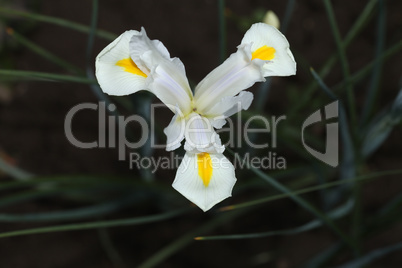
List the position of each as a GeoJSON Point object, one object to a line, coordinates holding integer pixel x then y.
{"type": "Point", "coordinates": [204, 168]}
{"type": "Point", "coordinates": [264, 53]}
{"type": "Point", "coordinates": [130, 67]}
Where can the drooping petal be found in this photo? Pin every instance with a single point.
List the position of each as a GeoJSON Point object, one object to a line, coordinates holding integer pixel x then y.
{"type": "Point", "coordinates": [169, 83]}
{"type": "Point", "coordinates": [271, 46]}
{"type": "Point", "coordinates": [237, 73]}
{"type": "Point", "coordinates": [175, 131]}
{"type": "Point", "coordinates": [228, 106]}
{"type": "Point", "coordinates": [205, 179]}
{"type": "Point", "coordinates": [116, 72]}
{"type": "Point", "coordinates": [201, 136]}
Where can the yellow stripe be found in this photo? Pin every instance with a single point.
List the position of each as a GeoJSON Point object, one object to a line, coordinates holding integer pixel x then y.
{"type": "Point", "coordinates": [264, 53]}
{"type": "Point", "coordinates": [204, 168]}
{"type": "Point", "coordinates": [130, 67]}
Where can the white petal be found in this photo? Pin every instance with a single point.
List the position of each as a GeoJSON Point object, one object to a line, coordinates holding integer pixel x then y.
{"type": "Point", "coordinates": [201, 136]}
{"type": "Point", "coordinates": [228, 106]}
{"type": "Point", "coordinates": [169, 83]}
{"type": "Point", "coordinates": [116, 79]}
{"type": "Point", "coordinates": [145, 52]}
{"type": "Point", "coordinates": [261, 34]}
{"type": "Point", "coordinates": [237, 73]}
{"type": "Point", "coordinates": [175, 132]}
{"type": "Point", "coordinates": [189, 183]}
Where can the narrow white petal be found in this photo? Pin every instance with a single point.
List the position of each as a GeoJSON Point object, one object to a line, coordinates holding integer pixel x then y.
{"type": "Point", "coordinates": [201, 136]}
{"type": "Point", "coordinates": [115, 71]}
{"type": "Point", "coordinates": [228, 106]}
{"type": "Point", "coordinates": [237, 73]}
{"type": "Point", "coordinates": [175, 132]}
{"type": "Point", "coordinates": [191, 185]}
{"type": "Point", "coordinates": [169, 83]}
{"type": "Point", "coordinates": [260, 35]}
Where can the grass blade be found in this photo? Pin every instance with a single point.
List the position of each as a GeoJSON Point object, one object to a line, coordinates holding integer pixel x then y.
{"type": "Point", "coordinates": [323, 256]}
{"type": "Point", "coordinates": [222, 30]}
{"type": "Point", "coordinates": [381, 126]}
{"type": "Point", "coordinates": [109, 248]}
{"type": "Point", "coordinates": [97, 224]}
{"type": "Point", "coordinates": [14, 171]}
{"type": "Point", "coordinates": [288, 14]}
{"type": "Point", "coordinates": [354, 78]}
{"type": "Point", "coordinates": [356, 28]}
{"type": "Point", "coordinates": [188, 238]}
{"type": "Point", "coordinates": [348, 169]}
{"type": "Point", "coordinates": [335, 214]}
{"type": "Point", "coordinates": [343, 59]}
{"type": "Point", "coordinates": [41, 76]}
{"type": "Point", "coordinates": [305, 204]}
{"type": "Point", "coordinates": [375, 77]}
{"type": "Point", "coordinates": [372, 256]}
{"type": "Point", "coordinates": [89, 69]}
{"type": "Point", "coordinates": [71, 215]}
{"type": "Point", "coordinates": [311, 189]}
{"type": "Point", "coordinates": [43, 52]}
{"type": "Point", "coordinates": [56, 21]}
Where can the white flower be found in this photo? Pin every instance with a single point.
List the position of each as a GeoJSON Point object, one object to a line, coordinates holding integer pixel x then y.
{"type": "Point", "coordinates": [133, 62]}
{"type": "Point", "coordinates": [272, 19]}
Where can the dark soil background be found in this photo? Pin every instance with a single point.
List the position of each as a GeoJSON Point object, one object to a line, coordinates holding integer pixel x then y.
{"type": "Point", "coordinates": [32, 133]}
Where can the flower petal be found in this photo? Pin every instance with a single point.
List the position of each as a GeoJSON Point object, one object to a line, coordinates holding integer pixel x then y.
{"type": "Point", "coordinates": [205, 179]}
{"type": "Point", "coordinates": [272, 47]}
{"type": "Point", "coordinates": [167, 79]}
{"type": "Point", "coordinates": [228, 106]}
{"type": "Point", "coordinates": [201, 136]}
{"type": "Point", "coordinates": [175, 132]}
{"type": "Point", "coordinates": [145, 52]}
{"type": "Point", "coordinates": [117, 74]}
{"type": "Point", "coordinates": [169, 83]}
{"type": "Point", "coordinates": [237, 73]}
